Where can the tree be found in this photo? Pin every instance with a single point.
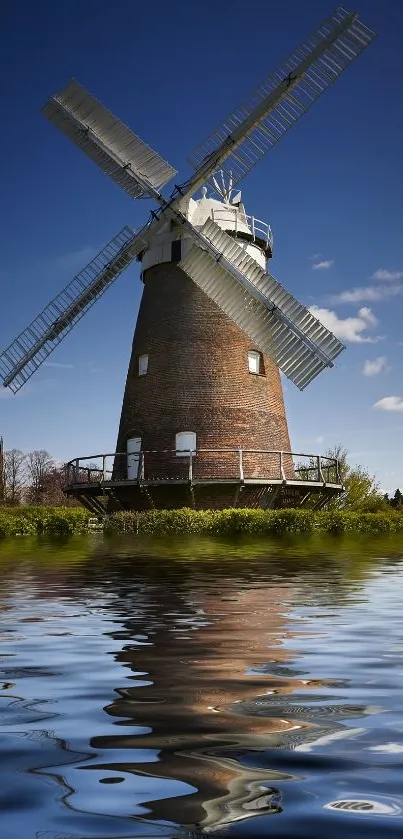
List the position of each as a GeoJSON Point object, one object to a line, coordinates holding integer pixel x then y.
{"type": "Point", "coordinates": [40, 466]}
{"type": "Point", "coordinates": [14, 474]}
{"type": "Point", "coordinates": [397, 501]}
{"type": "Point", "coordinates": [362, 493]}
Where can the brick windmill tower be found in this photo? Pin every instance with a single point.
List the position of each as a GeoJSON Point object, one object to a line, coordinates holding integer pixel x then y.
{"type": "Point", "coordinates": [203, 419]}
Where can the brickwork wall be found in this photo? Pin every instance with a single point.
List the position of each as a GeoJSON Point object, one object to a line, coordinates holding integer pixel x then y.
{"type": "Point", "coordinates": [198, 380]}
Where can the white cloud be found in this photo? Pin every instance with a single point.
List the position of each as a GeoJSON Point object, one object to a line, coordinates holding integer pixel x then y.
{"type": "Point", "coordinates": [373, 368]}
{"type": "Point", "coordinates": [347, 329]}
{"type": "Point", "coordinates": [367, 294]}
{"type": "Point", "coordinates": [322, 266]}
{"type": "Point", "coordinates": [385, 274]}
{"type": "Point", "coordinates": [390, 403]}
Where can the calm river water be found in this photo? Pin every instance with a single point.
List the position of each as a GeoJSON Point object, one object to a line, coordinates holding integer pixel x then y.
{"type": "Point", "coordinates": [156, 689]}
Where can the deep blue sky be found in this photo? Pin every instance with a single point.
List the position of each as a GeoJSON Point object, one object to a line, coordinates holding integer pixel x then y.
{"type": "Point", "coordinates": [331, 191]}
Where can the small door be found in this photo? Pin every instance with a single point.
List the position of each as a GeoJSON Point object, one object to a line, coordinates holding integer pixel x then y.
{"type": "Point", "coordinates": [133, 458]}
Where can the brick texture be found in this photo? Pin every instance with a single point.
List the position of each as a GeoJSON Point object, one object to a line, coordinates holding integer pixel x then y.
{"type": "Point", "coordinates": [198, 380]}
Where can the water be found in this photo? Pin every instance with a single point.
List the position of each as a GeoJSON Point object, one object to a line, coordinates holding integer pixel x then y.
{"type": "Point", "coordinates": [188, 688]}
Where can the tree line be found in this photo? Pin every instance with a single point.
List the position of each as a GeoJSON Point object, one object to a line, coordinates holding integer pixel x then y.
{"type": "Point", "coordinates": [31, 478]}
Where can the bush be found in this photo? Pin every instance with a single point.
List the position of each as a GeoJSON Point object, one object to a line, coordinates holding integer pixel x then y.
{"type": "Point", "coordinates": [29, 521]}
{"type": "Point", "coordinates": [64, 521]}
{"type": "Point", "coordinates": [257, 522]}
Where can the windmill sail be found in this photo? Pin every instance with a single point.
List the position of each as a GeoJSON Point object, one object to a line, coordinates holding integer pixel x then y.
{"type": "Point", "coordinates": [279, 325]}
{"type": "Point", "coordinates": [130, 162]}
{"type": "Point", "coordinates": [27, 352]}
{"type": "Point", "coordinates": [270, 111]}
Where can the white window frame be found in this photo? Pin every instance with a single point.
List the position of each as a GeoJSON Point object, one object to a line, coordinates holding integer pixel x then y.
{"type": "Point", "coordinates": [255, 362]}
{"type": "Point", "coordinates": [142, 364]}
{"type": "Point", "coordinates": [181, 451]}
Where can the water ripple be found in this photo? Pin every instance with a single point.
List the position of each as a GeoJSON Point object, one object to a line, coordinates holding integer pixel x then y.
{"type": "Point", "coordinates": [147, 693]}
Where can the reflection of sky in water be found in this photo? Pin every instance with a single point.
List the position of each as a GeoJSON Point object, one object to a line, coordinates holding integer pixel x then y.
{"type": "Point", "coordinates": [141, 696]}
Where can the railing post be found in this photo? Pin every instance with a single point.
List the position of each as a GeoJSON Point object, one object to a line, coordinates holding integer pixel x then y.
{"type": "Point", "coordinates": [319, 467]}
{"type": "Point", "coordinates": [103, 467]}
{"type": "Point", "coordinates": [190, 467]}
{"type": "Point", "coordinates": [241, 474]}
{"type": "Point", "coordinates": [253, 227]}
{"type": "Point", "coordinates": [76, 470]}
{"type": "Point", "coordinates": [282, 473]}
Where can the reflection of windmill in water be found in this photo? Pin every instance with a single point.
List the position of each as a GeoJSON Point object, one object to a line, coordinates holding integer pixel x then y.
{"type": "Point", "coordinates": [203, 418]}
{"type": "Point", "coordinates": [212, 657]}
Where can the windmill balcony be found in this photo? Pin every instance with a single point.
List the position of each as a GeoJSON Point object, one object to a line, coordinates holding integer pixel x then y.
{"type": "Point", "coordinates": [239, 224]}
{"type": "Point", "coordinates": [204, 478]}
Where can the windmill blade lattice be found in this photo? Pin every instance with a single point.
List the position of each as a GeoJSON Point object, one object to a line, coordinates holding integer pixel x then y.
{"type": "Point", "coordinates": [270, 111]}
{"type": "Point", "coordinates": [32, 347]}
{"type": "Point", "coordinates": [130, 162]}
{"type": "Point", "coordinates": [279, 325]}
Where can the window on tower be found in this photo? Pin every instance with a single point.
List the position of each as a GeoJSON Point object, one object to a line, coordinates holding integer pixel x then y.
{"type": "Point", "coordinates": [143, 365]}
{"type": "Point", "coordinates": [255, 362]}
{"type": "Point", "coordinates": [185, 442]}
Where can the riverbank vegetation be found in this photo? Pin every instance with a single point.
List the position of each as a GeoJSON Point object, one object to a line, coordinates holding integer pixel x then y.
{"type": "Point", "coordinates": [63, 521]}
{"type": "Point", "coordinates": [32, 521]}
{"type": "Point", "coordinates": [253, 522]}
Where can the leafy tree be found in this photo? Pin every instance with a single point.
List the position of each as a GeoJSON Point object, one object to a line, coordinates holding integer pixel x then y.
{"type": "Point", "coordinates": [362, 493]}
{"type": "Point", "coordinates": [397, 500]}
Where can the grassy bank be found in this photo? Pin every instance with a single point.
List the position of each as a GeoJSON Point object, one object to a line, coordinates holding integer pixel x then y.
{"type": "Point", "coordinates": [254, 522]}
{"type": "Point", "coordinates": [32, 521]}
{"type": "Point", "coordinates": [62, 521]}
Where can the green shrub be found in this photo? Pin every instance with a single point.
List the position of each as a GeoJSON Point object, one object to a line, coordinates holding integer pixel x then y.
{"type": "Point", "coordinates": [29, 521]}
{"type": "Point", "coordinates": [64, 521]}
{"type": "Point", "coordinates": [235, 521]}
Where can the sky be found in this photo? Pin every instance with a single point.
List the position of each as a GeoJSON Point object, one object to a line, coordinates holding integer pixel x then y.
{"type": "Point", "coordinates": [331, 191]}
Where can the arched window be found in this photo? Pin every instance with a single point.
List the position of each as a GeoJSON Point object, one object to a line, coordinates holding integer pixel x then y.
{"type": "Point", "coordinates": [185, 442]}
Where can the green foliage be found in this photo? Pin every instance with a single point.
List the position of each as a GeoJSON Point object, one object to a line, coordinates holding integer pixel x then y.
{"type": "Point", "coordinates": [65, 521]}
{"type": "Point", "coordinates": [55, 521]}
{"type": "Point", "coordinates": [246, 522]}
{"type": "Point", "coordinates": [362, 493]}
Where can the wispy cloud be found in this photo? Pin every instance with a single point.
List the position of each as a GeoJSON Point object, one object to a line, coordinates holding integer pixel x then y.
{"type": "Point", "coordinates": [378, 365]}
{"type": "Point", "coordinates": [390, 403]}
{"type": "Point", "coordinates": [367, 294]}
{"type": "Point", "coordinates": [323, 266]}
{"type": "Point", "coordinates": [348, 329]}
{"type": "Point", "coordinates": [75, 260]}
{"type": "Point", "coordinates": [384, 274]}
{"type": "Point", "coordinates": [58, 365]}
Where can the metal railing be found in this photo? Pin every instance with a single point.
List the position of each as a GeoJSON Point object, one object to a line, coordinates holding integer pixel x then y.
{"type": "Point", "coordinates": [240, 465]}
{"type": "Point", "coordinates": [240, 222]}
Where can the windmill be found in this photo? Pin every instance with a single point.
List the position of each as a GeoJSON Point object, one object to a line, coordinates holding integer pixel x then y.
{"type": "Point", "coordinates": [203, 404]}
